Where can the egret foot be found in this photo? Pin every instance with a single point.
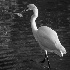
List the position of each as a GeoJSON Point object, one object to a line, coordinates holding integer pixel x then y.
{"type": "Point", "coordinates": [46, 57]}
{"type": "Point", "coordinates": [43, 59]}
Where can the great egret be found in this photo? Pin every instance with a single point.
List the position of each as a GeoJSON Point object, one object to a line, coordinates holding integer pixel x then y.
{"type": "Point", "coordinates": [45, 36]}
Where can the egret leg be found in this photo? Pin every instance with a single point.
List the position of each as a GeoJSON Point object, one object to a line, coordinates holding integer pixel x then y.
{"type": "Point", "coordinates": [48, 62]}
{"type": "Point", "coordinates": [43, 60]}
{"type": "Point", "coordinates": [46, 56]}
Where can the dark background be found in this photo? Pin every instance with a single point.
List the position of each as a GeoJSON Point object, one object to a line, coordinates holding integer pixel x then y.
{"type": "Point", "coordinates": [20, 50]}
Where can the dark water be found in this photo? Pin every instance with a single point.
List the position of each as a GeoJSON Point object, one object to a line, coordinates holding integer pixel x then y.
{"type": "Point", "coordinates": [23, 52]}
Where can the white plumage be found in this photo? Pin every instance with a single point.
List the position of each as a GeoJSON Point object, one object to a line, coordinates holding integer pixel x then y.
{"type": "Point", "coordinates": [46, 37]}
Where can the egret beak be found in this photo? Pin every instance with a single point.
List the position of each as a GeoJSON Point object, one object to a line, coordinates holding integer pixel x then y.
{"type": "Point", "coordinates": [28, 9]}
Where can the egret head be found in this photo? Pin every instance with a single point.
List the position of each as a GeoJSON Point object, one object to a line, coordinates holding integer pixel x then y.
{"type": "Point", "coordinates": [31, 7]}
{"type": "Point", "coordinates": [34, 8]}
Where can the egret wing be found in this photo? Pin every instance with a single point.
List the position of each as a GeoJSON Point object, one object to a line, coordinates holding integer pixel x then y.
{"type": "Point", "coordinates": [47, 38]}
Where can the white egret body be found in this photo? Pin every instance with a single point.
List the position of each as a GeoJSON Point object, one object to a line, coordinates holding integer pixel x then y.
{"type": "Point", "coordinates": [46, 37]}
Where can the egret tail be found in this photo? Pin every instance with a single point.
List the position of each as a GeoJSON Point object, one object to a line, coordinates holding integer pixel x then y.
{"type": "Point", "coordinates": [61, 50]}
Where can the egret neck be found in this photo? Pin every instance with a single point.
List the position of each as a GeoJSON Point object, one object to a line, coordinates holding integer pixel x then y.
{"type": "Point", "coordinates": [33, 18]}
